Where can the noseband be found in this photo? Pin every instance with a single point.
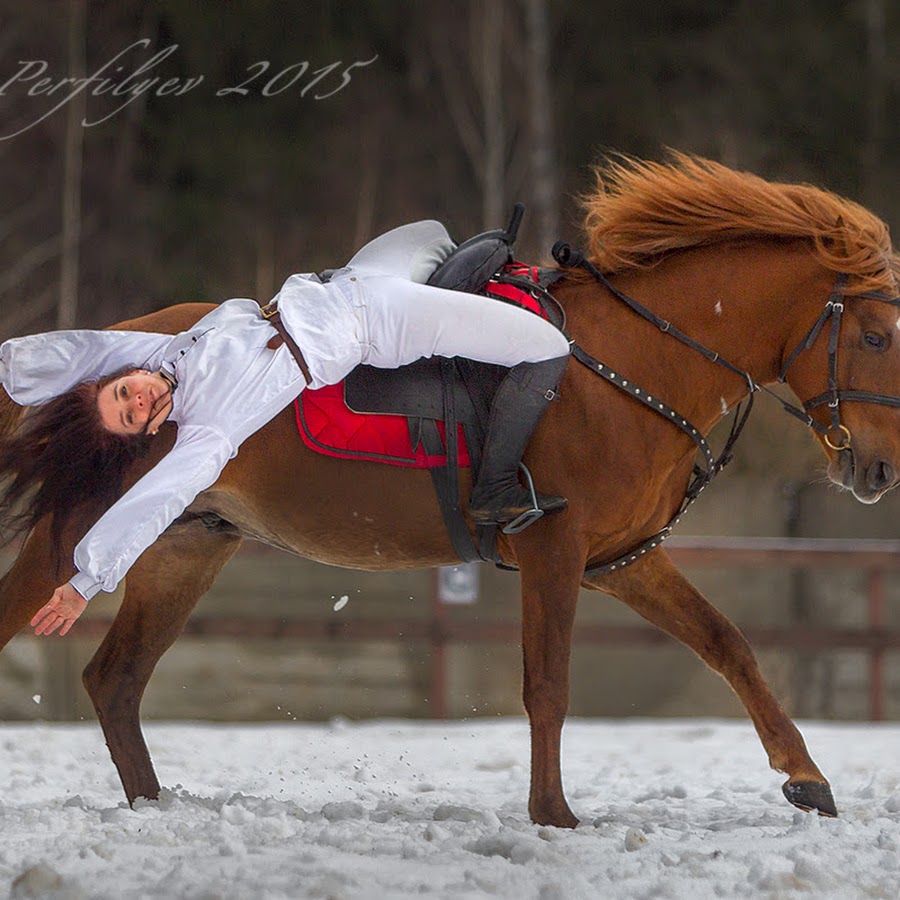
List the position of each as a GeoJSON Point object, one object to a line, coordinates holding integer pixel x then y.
{"type": "Point", "coordinates": [836, 435]}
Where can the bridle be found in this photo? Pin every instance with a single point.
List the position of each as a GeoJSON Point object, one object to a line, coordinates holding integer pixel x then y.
{"type": "Point", "coordinates": [834, 309]}
{"type": "Point", "coordinates": [836, 435]}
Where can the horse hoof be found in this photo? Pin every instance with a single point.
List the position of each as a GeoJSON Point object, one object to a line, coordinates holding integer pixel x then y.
{"type": "Point", "coordinates": [811, 795]}
{"type": "Point", "coordinates": [564, 819]}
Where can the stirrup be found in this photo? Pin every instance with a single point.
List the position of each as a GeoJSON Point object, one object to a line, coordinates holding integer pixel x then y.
{"type": "Point", "coordinates": [530, 516]}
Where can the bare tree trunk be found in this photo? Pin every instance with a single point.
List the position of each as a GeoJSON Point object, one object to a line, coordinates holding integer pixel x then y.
{"type": "Point", "coordinates": [470, 70]}
{"type": "Point", "coordinates": [71, 207]}
{"type": "Point", "coordinates": [265, 259]}
{"type": "Point", "coordinates": [876, 101]}
{"type": "Point", "coordinates": [132, 117]}
{"type": "Point", "coordinates": [370, 129]}
{"type": "Point", "coordinates": [493, 193]}
{"type": "Point", "coordinates": [28, 262]}
{"type": "Point", "coordinates": [544, 188]}
{"type": "Point", "coordinates": [60, 659]}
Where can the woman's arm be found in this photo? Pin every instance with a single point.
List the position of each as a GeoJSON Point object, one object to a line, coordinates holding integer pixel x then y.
{"type": "Point", "coordinates": [39, 367]}
{"type": "Point", "coordinates": [141, 515]}
{"type": "Point", "coordinates": [134, 522]}
{"type": "Point", "coordinates": [65, 606]}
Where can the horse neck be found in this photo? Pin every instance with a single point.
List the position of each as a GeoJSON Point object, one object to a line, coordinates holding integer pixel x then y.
{"type": "Point", "coordinates": [750, 303]}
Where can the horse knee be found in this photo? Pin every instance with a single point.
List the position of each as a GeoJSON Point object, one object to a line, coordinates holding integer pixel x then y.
{"type": "Point", "coordinates": [110, 688]}
{"type": "Point", "coordinates": [95, 685]}
{"type": "Point", "coordinates": [725, 648]}
{"type": "Point", "coordinates": [546, 698]}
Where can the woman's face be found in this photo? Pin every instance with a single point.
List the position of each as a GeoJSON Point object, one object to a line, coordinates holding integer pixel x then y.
{"type": "Point", "coordinates": [136, 403]}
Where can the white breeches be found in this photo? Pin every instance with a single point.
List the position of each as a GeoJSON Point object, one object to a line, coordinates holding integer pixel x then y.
{"type": "Point", "coordinates": [403, 320]}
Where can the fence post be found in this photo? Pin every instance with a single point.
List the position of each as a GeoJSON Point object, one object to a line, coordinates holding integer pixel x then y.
{"type": "Point", "coordinates": [437, 638]}
{"type": "Point", "coordinates": [876, 652]}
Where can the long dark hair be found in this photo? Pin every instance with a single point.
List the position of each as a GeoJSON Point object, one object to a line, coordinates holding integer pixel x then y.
{"type": "Point", "coordinates": [59, 458]}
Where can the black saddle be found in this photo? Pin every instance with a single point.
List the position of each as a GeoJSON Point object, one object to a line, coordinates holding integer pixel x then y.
{"type": "Point", "coordinates": [453, 391]}
{"type": "Point", "coordinates": [476, 261]}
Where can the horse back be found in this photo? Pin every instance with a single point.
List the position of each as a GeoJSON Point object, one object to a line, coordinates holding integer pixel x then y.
{"type": "Point", "coordinates": [171, 320]}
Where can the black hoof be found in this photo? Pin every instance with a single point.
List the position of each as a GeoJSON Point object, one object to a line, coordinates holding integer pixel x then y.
{"type": "Point", "coordinates": [811, 795]}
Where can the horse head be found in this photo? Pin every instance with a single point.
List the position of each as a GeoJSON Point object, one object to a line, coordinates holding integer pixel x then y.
{"type": "Point", "coordinates": [856, 417]}
{"type": "Point", "coordinates": [842, 353]}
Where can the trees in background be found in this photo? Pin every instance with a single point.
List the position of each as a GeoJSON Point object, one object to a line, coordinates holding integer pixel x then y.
{"type": "Point", "coordinates": [222, 190]}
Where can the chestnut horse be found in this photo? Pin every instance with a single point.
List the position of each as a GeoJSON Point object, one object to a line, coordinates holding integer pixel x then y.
{"type": "Point", "coordinates": [742, 266]}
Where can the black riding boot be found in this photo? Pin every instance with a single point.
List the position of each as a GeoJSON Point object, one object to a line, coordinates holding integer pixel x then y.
{"type": "Point", "coordinates": [498, 496]}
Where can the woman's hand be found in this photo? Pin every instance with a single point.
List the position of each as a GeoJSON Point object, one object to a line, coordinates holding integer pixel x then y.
{"type": "Point", "coordinates": [65, 606]}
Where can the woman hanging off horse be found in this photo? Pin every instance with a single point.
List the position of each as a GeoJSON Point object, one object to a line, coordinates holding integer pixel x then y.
{"type": "Point", "coordinates": [700, 284]}
{"type": "Point", "coordinates": [104, 395]}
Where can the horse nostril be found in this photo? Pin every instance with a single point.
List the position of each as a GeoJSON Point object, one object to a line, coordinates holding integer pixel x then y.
{"type": "Point", "coordinates": [880, 475]}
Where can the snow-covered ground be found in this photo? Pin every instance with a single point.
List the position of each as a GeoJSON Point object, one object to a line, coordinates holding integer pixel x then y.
{"type": "Point", "coordinates": [397, 809]}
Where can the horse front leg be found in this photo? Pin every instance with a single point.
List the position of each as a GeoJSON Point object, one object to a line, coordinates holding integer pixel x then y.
{"type": "Point", "coordinates": [658, 592]}
{"type": "Point", "coordinates": [551, 570]}
{"type": "Point", "coordinates": [161, 589]}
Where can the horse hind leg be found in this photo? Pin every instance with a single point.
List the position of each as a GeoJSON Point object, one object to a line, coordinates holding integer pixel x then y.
{"type": "Point", "coordinates": [658, 592]}
{"type": "Point", "coordinates": [160, 591]}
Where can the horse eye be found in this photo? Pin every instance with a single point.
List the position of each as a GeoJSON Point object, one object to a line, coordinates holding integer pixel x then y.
{"type": "Point", "coordinates": [873, 340]}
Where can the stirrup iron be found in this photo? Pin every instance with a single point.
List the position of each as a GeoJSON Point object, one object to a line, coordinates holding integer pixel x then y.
{"type": "Point", "coordinates": [530, 516]}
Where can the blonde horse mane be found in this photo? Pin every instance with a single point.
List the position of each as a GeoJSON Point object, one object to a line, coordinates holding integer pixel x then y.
{"type": "Point", "coordinates": [640, 210]}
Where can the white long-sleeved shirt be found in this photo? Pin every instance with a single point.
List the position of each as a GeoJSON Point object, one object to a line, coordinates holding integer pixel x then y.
{"type": "Point", "coordinates": [229, 385]}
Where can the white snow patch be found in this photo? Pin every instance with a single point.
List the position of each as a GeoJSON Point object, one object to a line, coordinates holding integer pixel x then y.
{"type": "Point", "coordinates": [634, 839]}
{"type": "Point", "coordinates": [718, 308]}
{"type": "Point", "coordinates": [277, 811]}
{"type": "Point", "coordinates": [341, 603]}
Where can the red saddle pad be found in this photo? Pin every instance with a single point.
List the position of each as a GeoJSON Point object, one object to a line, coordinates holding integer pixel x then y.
{"type": "Point", "coordinates": [327, 425]}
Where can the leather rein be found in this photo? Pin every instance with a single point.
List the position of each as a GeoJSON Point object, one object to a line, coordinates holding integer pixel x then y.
{"type": "Point", "coordinates": [836, 435]}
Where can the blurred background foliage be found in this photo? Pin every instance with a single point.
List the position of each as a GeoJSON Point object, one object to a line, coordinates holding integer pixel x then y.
{"type": "Point", "coordinates": [451, 110]}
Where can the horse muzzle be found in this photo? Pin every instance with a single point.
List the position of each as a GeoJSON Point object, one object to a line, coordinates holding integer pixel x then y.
{"type": "Point", "coordinates": [866, 481]}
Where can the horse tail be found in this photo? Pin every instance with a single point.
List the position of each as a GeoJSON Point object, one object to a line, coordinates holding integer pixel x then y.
{"type": "Point", "coordinates": [9, 413]}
